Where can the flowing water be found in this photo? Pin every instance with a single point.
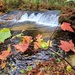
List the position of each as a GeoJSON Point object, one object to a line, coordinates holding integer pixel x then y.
{"type": "Point", "coordinates": [42, 22]}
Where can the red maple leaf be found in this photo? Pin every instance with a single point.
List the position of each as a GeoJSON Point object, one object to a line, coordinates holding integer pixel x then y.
{"type": "Point", "coordinates": [66, 26]}
{"type": "Point", "coordinates": [66, 46]}
{"type": "Point", "coordinates": [22, 47]}
{"type": "Point", "coordinates": [4, 54]}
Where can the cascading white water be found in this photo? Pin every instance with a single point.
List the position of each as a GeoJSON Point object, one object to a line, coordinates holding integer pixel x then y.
{"type": "Point", "coordinates": [45, 18]}
{"type": "Point", "coordinates": [32, 17]}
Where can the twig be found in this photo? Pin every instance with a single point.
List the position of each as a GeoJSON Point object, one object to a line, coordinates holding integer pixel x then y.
{"type": "Point", "coordinates": [51, 49]}
{"type": "Point", "coordinates": [52, 35]}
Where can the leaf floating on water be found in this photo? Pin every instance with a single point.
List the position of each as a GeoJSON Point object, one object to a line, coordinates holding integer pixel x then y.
{"type": "Point", "coordinates": [4, 34]}
{"type": "Point", "coordinates": [66, 46]}
{"type": "Point", "coordinates": [66, 26]}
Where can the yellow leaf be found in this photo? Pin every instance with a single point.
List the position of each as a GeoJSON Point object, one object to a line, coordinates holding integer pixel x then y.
{"type": "Point", "coordinates": [49, 43]}
{"type": "Point", "coordinates": [9, 48]}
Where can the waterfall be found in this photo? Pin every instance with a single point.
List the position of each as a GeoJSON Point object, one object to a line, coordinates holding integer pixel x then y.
{"type": "Point", "coordinates": [49, 18]}
{"type": "Point", "coordinates": [46, 18]}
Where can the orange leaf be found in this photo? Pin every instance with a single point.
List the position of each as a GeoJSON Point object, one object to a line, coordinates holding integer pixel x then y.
{"type": "Point", "coordinates": [3, 65]}
{"type": "Point", "coordinates": [38, 37]}
{"type": "Point", "coordinates": [22, 47]}
{"type": "Point", "coordinates": [37, 45]}
{"type": "Point", "coordinates": [27, 39]}
{"type": "Point", "coordinates": [4, 54]}
{"type": "Point", "coordinates": [66, 26]}
{"type": "Point", "coordinates": [66, 46]}
{"type": "Point", "coordinates": [41, 73]}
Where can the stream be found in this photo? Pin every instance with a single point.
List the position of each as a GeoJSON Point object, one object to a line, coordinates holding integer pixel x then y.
{"type": "Point", "coordinates": [33, 23]}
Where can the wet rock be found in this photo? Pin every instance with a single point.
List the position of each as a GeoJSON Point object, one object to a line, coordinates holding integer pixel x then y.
{"type": "Point", "coordinates": [11, 17]}
{"type": "Point", "coordinates": [18, 16]}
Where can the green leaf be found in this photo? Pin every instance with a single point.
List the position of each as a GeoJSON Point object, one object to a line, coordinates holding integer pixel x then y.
{"type": "Point", "coordinates": [4, 34]}
{"type": "Point", "coordinates": [69, 68]}
{"type": "Point", "coordinates": [58, 59]}
{"type": "Point", "coordinates": [44, 45]}
{"type": "Point", "coordinates": [29, 68]}
{"type": "Point", "coordinates": [22, 71]}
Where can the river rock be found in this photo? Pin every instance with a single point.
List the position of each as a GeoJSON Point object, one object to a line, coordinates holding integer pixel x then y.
{"type": "Point", "coordinates": [10, 17]}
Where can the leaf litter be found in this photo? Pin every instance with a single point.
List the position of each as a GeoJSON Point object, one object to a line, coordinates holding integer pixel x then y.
{"type": "Point", "coordinates": [28, 45]}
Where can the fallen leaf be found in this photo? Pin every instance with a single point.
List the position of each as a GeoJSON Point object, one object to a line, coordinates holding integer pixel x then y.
{"type": "Point", "coordinates": [49, 43]}
{"type": "Point", "coordinates": [27, 39]}
{"type": "Point", "coordinates": [37, 45]}
{"type": "Point", "coordinates": [22, 47]}
{"type": "Point", "coordinates": [4, 34]}
{"type": "Point", "coordinates": [38, 37]}
{"type": "Point", "coordinates": [4, 54]}
{"type": "Point", "coordinates": [38, 42]}
{"type": "Point", "coordinates": [3, 65]}
{"type": "Point", "coordinates": [66, 26]}
{"type": "Point", "coordinates": [22, 71]}
{"type": "Point", "coordinates": [73, 49]}
{"type": "Point", "coordinates": [29, 68]}
{"type": "Point", "coordinates": [41, 73]}
{"type": "Point", "coordinates": [68, 68]}
{"type": "Point", "coordinates": [66, 46]}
